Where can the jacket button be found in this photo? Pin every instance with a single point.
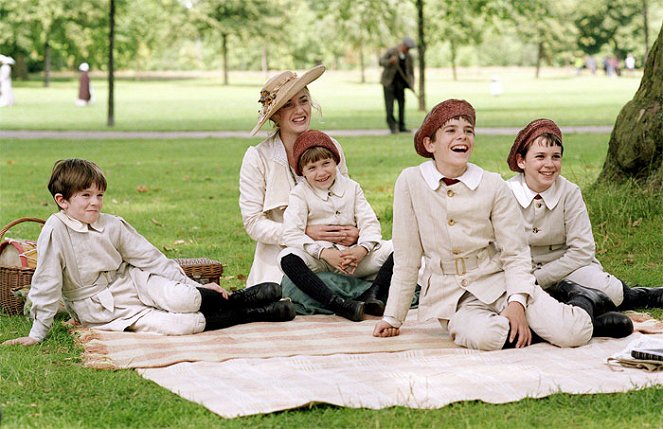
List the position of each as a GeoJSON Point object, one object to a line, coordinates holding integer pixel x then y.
{"type": "Point", "coordinates": [538, 205]}
{"type": "Point", "coordinates": [338, 213]}
{"type": "Point", "coordinates": [464, 282]}
{"type": "Point", "coordinates": [535, 230]}
{"type": "Point", "coordinates": [329, 194]}
{"type": "Point", "coordinates": [456, 251]}
{"type": "Point", "coordinates": [450, 193]}
{"type": "Point", "coordinates": [451, 222]}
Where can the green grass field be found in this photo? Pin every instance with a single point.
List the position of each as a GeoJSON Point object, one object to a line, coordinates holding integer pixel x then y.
{"type": "Point", "coordinates": [183, 196]}
{"type": "Point", "coordinates": [205, 104]}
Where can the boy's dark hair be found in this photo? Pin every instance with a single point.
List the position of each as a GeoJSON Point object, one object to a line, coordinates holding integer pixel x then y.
{"type": "Point", "coordinates": [74, 175]}
{"type": "Point", "coordinates": [314, 154]}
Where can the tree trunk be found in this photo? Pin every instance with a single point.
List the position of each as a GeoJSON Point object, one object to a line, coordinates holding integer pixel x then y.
{"type": "Point", "coordinates": [47, 64]}
{"type": "Point", "coordinates": [645, 25]}
{"type": "Point", "coordinates": [635, 150]}
{"type": "Point", "coordinates": [224, 52]}
{"type": "Point", "coordinates": [453, 60]}
{"type": "Point", "coordinates": [110, 121]}
{"type": "Point", "coordinates": [539, 58]}
{"type": "Point", "coordinates": [422, 55]}
{"type": "Point", "coordinates": [362, 64]}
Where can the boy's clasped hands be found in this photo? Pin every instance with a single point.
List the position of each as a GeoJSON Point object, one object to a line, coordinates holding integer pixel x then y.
{"type": "Point", "coordinates": [347, 260]}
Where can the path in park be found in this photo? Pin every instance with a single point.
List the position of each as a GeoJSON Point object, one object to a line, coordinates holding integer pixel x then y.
{"type": "Point", "coordinates": [162, 135]}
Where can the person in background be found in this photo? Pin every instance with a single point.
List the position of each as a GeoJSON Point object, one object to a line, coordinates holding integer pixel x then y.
{"type": "Point", "coordinates": [84, 86]}
{"type": "Point", "coordinates": [6, 91]}
{"type": "Point", "coordinates": [397, 76]}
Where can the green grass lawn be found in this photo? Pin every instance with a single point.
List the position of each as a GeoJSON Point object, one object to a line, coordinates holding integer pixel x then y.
{"type": "Point", "coordinates": [205, 104]}
{"type": "Point", "coordinates": [183, 196]}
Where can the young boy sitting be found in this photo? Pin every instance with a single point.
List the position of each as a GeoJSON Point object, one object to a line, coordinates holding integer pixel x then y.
{"type": "Point", "coordinates": [465, 223]}
{"type": "Point", "coordinates": [557, 224]}
{"type": "Point", "coordinates": [112, 278]}
{"type": "Point", "coordinates": [327, 198]}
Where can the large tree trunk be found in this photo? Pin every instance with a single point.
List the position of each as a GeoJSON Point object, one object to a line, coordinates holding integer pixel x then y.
{"type": "Point", "coordinates": [422, 56]}
{"type": "Point", "coordinates": [224, 52]}
{"type": "Point", "coordinates": [635, 150]}
{"type": "Point", "coordinates": [110, 120]}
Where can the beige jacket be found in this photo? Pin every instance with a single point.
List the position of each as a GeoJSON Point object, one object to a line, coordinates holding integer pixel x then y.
{"type": "Point", "coordinates": [265, 182]}
{"type": "Point", "coordinates": [99, 271]}
{"type": "Point", "coordinates": [468, 234]}
{"type": "Point", "coordinates": [557, 228]}
{"type": "Point", "coordinates": [390, 70]}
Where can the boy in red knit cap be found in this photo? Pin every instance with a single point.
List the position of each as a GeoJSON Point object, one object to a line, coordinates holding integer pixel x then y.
{"type": "Point", "coordinates": [328, 198]}
{"type": "Point", "coordinates": [557, 224]}
{"type": "Point", "coordinates": [465, 224]}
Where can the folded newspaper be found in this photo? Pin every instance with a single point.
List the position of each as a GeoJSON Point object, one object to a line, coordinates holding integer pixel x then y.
{"type": "Point", "coordinates": [642, 353]}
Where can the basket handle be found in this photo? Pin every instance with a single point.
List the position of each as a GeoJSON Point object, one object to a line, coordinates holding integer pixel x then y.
{"type": "Point", "coordinates": [17, 221]}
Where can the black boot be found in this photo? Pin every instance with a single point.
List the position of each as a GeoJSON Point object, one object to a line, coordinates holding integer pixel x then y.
{"type": "Point", "coordinates": [376, 296]}
{"type": "Point", "coordinates": [641, 297]}
{"type": "Point", "coordinates": [259, 294]}
{"type": "Point", "coordinates": [612, 324]}
{"type": "Point", "coordinates": [308, 282]}
{"type": "Point", "coordinates": [593, 301]}
{"type": "Point", "coordinates": [280, 311]}
{"type": "Point", "coordinates": [352, 310]}
{"type": "Point", "coordinates": [211, 301]}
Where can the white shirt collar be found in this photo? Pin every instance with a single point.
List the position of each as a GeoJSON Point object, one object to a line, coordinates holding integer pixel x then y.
{"type": "Point", "coordinates": [79, 226]}
{"type": "Point", "coordinates": [337, 188]}
{"type": "Point", "coordinates": [525, 195]}
{"type": "Point", "coordinates": [471, 178]}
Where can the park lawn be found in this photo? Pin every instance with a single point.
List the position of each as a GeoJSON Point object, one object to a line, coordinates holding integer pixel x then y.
{"type": "Point", "coordinates": [182, 195]}
{"type": "Point", "coordinates": [205, 104]}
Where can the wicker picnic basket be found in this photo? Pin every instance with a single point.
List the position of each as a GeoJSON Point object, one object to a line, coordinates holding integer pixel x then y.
{"type": "Point", "coordinates": [19, 275]}
{"type": "Point", "coordinates": [202, 270]}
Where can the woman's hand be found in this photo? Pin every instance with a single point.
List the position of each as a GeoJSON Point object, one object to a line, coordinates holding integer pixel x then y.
{"type": "Point", "coordinates": [520, 331]}
{"type": "Point", "coordinates": [24, 341]}
{"type": "Point", "coordinates": [340, 234]}
{"type": "Point", "coordinates": [384, 329]}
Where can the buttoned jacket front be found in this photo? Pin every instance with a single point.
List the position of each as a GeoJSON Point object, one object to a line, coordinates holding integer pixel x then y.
{"type": "Point", "coordinates": [469, 236]}
{"type": "Point", "coordinates": [265, 182]}
{"type": "Point", "coordinates": [343, 203]}
{"type": "Point", "coordinates": [557, 228]}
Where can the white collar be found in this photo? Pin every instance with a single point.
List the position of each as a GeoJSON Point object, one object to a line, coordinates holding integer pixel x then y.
{"type": "Point", "coordinates": [79, 226]}
{"type": "Point", "coordinates": [337, 188]}
{"type": "Point", "coordinates": [471, 178]}
{"type": "Point", "coordinates": [525, 195]}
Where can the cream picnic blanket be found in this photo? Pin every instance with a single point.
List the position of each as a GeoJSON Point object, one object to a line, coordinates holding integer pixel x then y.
{"type": "Point", "coordinates": [261, 367]}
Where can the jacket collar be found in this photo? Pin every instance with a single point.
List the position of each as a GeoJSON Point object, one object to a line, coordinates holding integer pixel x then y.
{"type": "Point", "coordinates": [79, 226]}
{"type": "Point", "coordinates": [525, 195]}
{"type": "Point", "coordinates": [471, 178]}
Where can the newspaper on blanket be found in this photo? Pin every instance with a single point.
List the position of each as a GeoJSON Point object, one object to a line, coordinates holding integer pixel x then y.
{"type": "Point", "coordinates": [625, 358]}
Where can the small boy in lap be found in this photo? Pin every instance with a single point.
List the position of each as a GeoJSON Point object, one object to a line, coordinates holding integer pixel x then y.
{"type": "Point", "coordinates": [112, 278]}
{"type": "Point", "coordinates": [327, 198]}
{"type": "Point", "coordinates": [465, 223]}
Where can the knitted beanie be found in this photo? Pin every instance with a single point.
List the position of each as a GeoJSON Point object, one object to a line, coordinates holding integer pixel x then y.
{"type": "Point", "coordinates": [439, 116]}
{"type": "Point", "coordinates": [527, 135]}
{"type": "Point", "coordinates": [309, 139]}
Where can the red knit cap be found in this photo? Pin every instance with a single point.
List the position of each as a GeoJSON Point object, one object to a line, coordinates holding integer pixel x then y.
{"type": "Point", "coordinates": [309, 139]}
{"type": "Point", "coordinates": [527, 135]}
{"type": "Point", "coordinates": [439, 116]}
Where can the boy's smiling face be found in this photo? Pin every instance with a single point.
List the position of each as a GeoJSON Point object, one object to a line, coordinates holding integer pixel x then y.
{"type": "Point", "coordinates": [320, 174]}
{"type": "Point", "coordinates": [541, 165]}
{"type": "Point", "coordinates": [452, 146]}
{"type": "Point", "coordinates": [84, 206]}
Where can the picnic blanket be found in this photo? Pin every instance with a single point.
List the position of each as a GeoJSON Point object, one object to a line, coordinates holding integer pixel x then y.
{"type": "Point", "coordinates": [262, 367]}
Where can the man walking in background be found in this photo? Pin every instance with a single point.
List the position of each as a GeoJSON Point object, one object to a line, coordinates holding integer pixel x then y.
{"type": "Point", "coordinates": [397, 75]}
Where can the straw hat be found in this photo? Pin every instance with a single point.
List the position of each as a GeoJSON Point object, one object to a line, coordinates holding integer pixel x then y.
{"type": "Point", "coordinates": [281, 88]}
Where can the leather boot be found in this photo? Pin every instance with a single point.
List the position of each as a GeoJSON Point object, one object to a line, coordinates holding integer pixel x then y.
{"type": "Point", "coordinates": [372, 305]}
{"type": "Point", "coordinates": [376, 296]}
{"type": "Point", "coordinates": [211, 301]}
{"type": "Point", "coordinates": [280, 311]}
{"type": "Point", "coordinates": [641, 297]}
{"type": "Point", "coordinates": [593, 301]}
{"type": "Point", "coordinates": [352, 310]}
{"type": "Point", "coordinates": [612, 324]}
{"type": "Point", "coordinates": [253, 296]}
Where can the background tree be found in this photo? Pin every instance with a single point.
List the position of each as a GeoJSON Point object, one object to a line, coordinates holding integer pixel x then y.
{"type": "Point", "coordinates": [635, 150]}
{"type": "Point", "coordinates": [609, 22]}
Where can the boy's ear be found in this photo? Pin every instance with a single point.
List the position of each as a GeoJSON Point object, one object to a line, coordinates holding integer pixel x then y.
{"type": "Point", "coordinates": [520, 161]}
{"type": "Point", "coordinates": [429, 144]}
{"type": "Point", "coordinates": [60, 201]}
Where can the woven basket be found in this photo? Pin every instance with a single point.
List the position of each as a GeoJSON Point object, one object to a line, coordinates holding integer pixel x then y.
{"type": "Point", "coordinates": [202, 270]}
{"type": "Point", "coordinates": [14, 278]}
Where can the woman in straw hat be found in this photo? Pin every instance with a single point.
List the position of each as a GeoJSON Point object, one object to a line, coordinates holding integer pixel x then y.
{"type": "Point", "coordinates": [266, 178]}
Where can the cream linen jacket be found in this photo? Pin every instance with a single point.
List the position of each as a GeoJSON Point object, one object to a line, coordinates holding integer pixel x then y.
{"type": "Point", "coordinates": [469, 235]}
{"type": "Point", "coordinates": [557, 228]}
{"type": "Point", "coordinates": [265, 182]}
{"type": "Point", "coordinates": [97, 270]}
{"type": "Point", "coordinates": [343, 204]}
